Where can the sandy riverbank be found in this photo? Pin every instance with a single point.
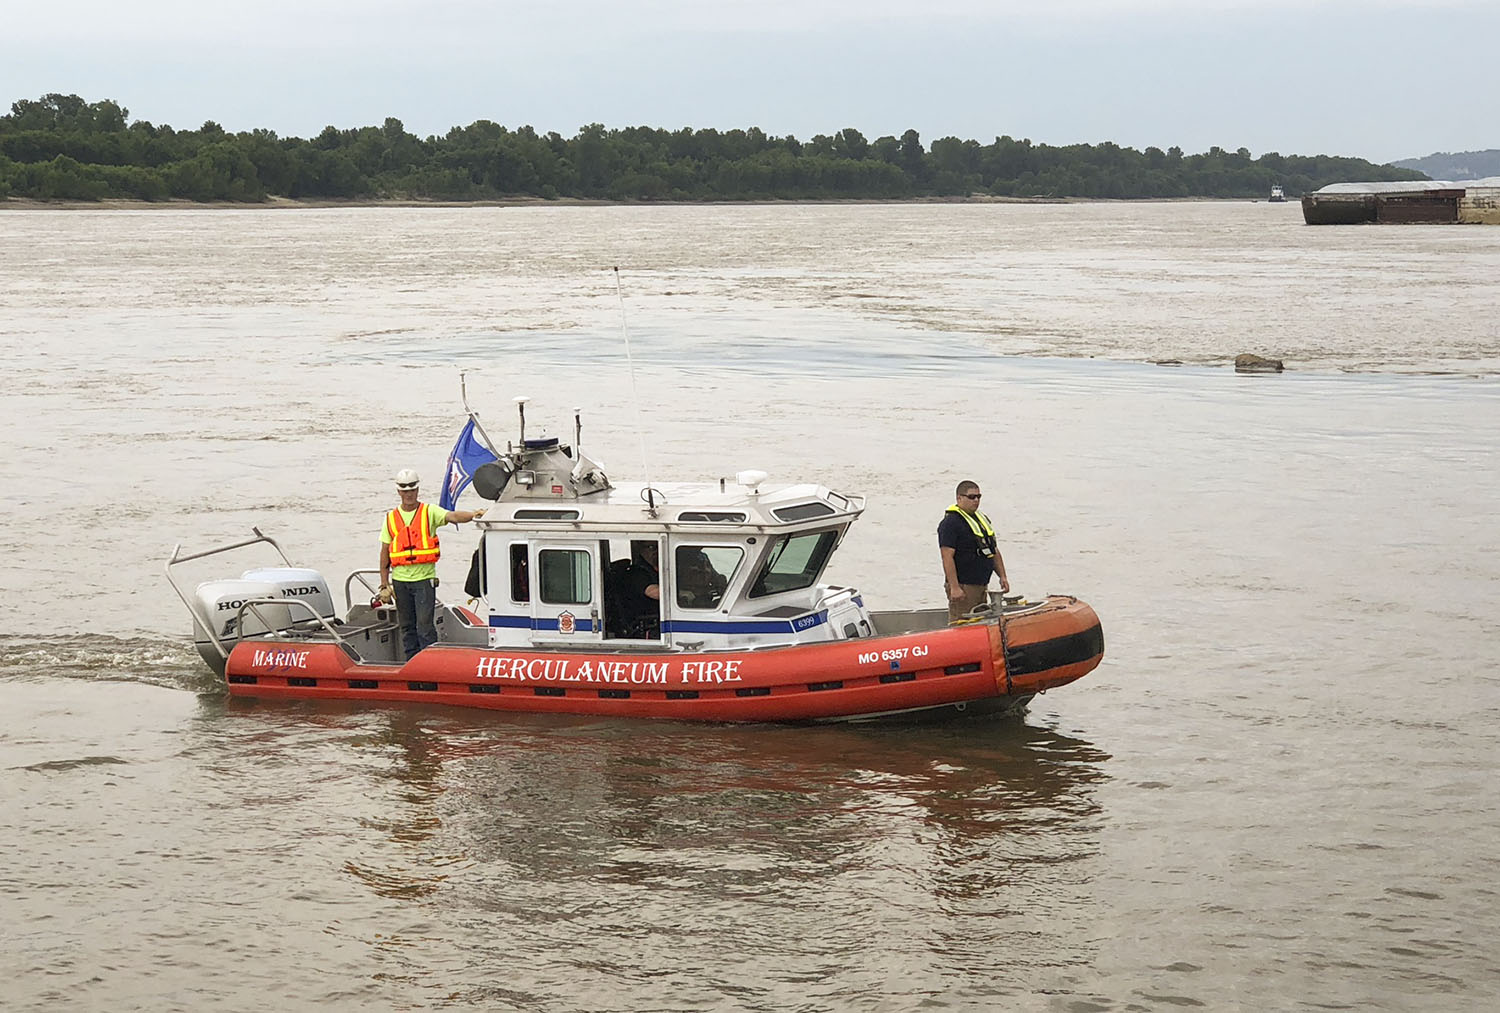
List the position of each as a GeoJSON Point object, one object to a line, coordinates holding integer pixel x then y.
{"type": "Point", "coordinates": [117, 204]}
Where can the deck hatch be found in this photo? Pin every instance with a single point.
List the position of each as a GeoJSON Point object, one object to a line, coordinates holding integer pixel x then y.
{"type": "Point", "coordinates": [712, 516]}
{"type": "Point", "coordinates": [804, 511]}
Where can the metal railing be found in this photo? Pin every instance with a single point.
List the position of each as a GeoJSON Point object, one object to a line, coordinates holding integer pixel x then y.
{"type": "Point", "coordinates": [203, 621]}
{"type": "Point", "coordinates": [252, 605]}
{"type": "Point", "coordinates": [349, 584]}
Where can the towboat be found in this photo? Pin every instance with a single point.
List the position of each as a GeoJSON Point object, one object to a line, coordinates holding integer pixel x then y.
{"type": "Point", "coordinates": [744, 629]}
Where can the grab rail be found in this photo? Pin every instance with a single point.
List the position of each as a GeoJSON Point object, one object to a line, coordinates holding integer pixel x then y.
{"type": "Point", "coordinates": [349, 583]}
{"type": "Point", "coordinates": [259, 537]}
{"type": "Point", "coordinates": [252, 605]}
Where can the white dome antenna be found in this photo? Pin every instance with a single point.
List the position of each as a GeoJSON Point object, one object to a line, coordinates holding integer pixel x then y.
{"type": "Point", "coordinates": [751, 480]}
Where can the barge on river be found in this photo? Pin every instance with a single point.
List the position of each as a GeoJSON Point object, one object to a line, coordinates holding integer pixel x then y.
{"type": "Point", "coordinates": [1426, 202]}
{"type": "Point", "coordinates": [745, 628]}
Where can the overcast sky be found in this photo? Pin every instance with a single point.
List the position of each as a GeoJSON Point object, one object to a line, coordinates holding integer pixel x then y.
{"type": "Point", "coordinates": [1376, 79]}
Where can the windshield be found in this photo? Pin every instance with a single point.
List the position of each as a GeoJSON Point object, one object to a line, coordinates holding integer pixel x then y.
{"type": "Point", "coordinates": [795, 562]}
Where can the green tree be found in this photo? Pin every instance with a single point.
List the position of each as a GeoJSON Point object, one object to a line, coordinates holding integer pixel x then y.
{"type": "Point", "coordinates": [63, 147]}
{"type": "Point", "coordinates": [850, 143]}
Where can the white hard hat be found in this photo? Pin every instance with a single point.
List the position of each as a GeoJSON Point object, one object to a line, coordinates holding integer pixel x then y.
{"type": "Point", "coordinates": [406, 479]}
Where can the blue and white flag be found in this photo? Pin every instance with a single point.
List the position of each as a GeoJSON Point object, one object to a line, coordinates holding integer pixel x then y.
{"type": "Point", "coordinates": [468, 454]}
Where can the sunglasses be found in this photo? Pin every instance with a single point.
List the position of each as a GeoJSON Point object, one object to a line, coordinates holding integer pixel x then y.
{"type": "Point", "coordinates": [405, 488]}
{"type": "Point", "coordinates": [971, 495]}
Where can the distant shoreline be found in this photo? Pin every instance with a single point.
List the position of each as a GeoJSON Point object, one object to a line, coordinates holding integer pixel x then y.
{"type": "Point", "coordinates": [288, 203]}
{"type": "Point", "coordinates": [63, 148]}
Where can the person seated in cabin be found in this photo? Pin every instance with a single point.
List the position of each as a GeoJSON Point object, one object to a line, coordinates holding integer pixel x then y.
{"type": "Point", "coordinates": [699, 585]}
{"type": "Point", "coordinates": [520, 578]}
{"type": "Point", "coordinates": [639, 594]}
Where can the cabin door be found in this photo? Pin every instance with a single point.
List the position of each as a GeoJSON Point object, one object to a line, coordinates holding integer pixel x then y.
{"type": "Point", "coordinates": [567, 592]}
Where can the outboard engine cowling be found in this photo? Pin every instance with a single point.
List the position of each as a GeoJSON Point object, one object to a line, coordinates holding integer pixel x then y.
{"type": "Point", "coordinates": [300, 583]}
{"type": "Point", "coordinates": [219, 602]}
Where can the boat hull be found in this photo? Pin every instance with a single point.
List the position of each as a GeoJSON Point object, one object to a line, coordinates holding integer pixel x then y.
{"type": "Point", "coordinates": [996, 663]}
{"type": "Point", "coordinates": [1338, 209]}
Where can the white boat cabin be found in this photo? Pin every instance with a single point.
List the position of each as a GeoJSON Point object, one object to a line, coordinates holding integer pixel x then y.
{"type": "Point", "coordinates": [568, 559]}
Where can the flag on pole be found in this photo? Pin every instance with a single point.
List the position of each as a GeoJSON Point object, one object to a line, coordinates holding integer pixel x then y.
{"type": "Point", "coordinates": [468, 454]}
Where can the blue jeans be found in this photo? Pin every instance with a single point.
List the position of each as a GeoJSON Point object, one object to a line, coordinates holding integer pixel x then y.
{"type": "Point", "coordinates": [415, 601]}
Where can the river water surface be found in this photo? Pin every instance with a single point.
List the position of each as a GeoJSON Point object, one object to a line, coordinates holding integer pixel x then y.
{"type": "Point", "coordinates": [1277, 792]}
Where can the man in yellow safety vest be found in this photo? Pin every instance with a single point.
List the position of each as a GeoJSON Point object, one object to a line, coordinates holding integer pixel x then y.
{"type": "Point", "coordinates": [966, 539]}
{"type": "Point", "coordinates": [408, 561]}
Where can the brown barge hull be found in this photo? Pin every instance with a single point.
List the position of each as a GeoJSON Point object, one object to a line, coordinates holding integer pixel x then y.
{"type": "Point", "coordinates": [1338, 209]}
{"type": "Point", "coordinates": [1430, 207]}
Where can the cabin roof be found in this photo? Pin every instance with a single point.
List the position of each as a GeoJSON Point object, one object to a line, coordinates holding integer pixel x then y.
{"type": "Point", "coordinates": [697, 505]}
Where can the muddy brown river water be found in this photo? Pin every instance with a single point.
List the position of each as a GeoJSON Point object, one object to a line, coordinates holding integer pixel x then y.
{"type": "Point", "coordinates": [1276, 792]}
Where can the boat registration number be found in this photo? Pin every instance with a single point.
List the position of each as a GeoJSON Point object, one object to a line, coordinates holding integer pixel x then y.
{"type": "Point", "coordinates": [894, 654]}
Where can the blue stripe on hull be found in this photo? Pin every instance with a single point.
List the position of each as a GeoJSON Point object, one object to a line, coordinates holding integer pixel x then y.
{"type": "Point", "coordinates": [797, 625]}
{"type": "Point", "coordinates": [720, 626]}
{"type": "Point", "coordinates": [527, 623]}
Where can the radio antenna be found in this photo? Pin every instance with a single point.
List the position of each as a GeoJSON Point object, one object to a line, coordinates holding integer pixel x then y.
{"type": "Point", "coordinates": [463, 389]}
{"type": "Point", "coordinates": [640, 427]}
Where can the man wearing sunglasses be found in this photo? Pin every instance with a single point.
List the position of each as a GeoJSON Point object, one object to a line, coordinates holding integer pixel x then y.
{"type": "Point", "coordinates": [408, 561]}
{"type": "Point", "coordinates": [966, 539]}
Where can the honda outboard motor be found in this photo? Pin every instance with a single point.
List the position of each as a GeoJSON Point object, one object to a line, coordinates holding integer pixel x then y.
{"type": "Point", "coordinates": [219, 601]}
{"type": "Point", "coordinates": [296, 582]}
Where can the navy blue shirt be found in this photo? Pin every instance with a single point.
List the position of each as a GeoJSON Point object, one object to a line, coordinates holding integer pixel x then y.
{"type": "Point", "coordinates": [973, 568]}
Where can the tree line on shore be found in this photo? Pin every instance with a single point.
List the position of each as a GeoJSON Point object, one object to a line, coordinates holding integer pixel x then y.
{"type": "Point", "coordinates": [60, 147]}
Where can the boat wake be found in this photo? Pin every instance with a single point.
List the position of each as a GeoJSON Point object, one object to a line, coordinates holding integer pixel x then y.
{"type": "Point", "coordinates": [168, 663]}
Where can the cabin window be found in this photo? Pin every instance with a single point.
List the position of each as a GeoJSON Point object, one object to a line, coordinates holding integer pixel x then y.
{"type": "Point", "coordinates": [566, 576]}
{"type": "Point", "coordinates": [803, 511]}
{"type": "Point", "coordinates": [546, 515]}
{"type": "Point", "coordinates": [703, 573]}
{"type": "Point", "coordinates": [699, 516]}
{"type": "Point", "coordinates": [795, 562]}
{"type": "Point", "coordinates": [520, 578]}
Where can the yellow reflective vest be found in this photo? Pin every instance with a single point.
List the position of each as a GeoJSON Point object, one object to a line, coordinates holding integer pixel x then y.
{"type": "Point", "coordinates": [984, 531]}
{"type": "Point", "coordinates": [414, 543]}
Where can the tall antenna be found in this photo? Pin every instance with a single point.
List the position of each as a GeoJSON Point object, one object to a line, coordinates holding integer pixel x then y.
{"type": "Point", "coordinates": [463, 389]}
{"type": "Point", "coordinates": [640, 427]}
{"type": "Point", "coordinates": [520, 401]}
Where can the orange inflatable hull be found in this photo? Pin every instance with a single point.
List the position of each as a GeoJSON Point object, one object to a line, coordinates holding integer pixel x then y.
{"type": "Point", "coordinates": [994, 664]}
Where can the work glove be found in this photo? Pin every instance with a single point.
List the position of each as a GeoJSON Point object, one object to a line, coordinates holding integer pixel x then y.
{"type": "Point", "coordinates": [386, 595]}
{"type": "Point", "coordinates": [479, 513]}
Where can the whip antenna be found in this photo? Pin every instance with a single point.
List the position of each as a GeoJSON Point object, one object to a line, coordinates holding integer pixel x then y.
{"type": "Point", "coordinates": [634, 397]}
{"type": "Point", "coordinates": [463, 389]}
